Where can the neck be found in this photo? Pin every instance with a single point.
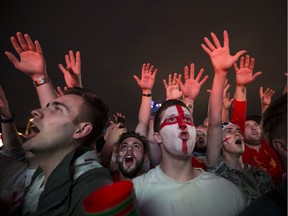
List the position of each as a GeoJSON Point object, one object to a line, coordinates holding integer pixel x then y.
{"type": "Point", "coordinates": [234, 161]}
{"type": "Point", "coordinates": [256, 147]}
{"type": "Point", "coordinates": [122, 177]}
{"type": "Point", "coordinates": [179, 170]}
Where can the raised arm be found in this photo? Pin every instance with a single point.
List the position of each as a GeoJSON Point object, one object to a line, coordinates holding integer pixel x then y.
{"type": "Point", "coordinates": [10, 135]}
{"type": "Point", "coordinates": [146, 84]}
{"type": "Point", "coordinates": [221, 61]}
{"type": "Point", "coordinates": [227, 102]}
{"type": "Point", "coordinates": [244, 76]}
{"type": "Point", "coordinates": [32, 63]}
{"type": "Point", "coordinates": [191, 86]}
{"type": "Point", "coordinates": [265, 98]}
{"type": "Point", "coordinates": [72, 71]}
{"type": "Point", "coordinates": [111, 138]}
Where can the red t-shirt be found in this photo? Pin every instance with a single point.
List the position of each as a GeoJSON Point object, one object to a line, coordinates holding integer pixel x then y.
{"type": "Point", "coordinates": [266, 158]}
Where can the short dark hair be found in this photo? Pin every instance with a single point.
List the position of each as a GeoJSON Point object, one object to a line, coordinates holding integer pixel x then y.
{"type": "Point", "coordinates": [274, 121]}
{"type": "Point", "coordinates": [138, 136]}
{"type": "Point", "coordinates": [256, 118]}
{"type": "Point", "coordinates": [164, 106]}
{"type": "Point", "coordinates": [94, 111]}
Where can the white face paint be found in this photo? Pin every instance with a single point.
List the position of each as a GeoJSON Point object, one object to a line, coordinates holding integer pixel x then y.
{"type": "Point", "coordinates": [177, 131]}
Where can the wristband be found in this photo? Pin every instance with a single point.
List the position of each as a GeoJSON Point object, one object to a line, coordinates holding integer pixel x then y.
{"type": "Point", "coordinates": [41, 81]}
{"type": "Point", "coordinates": [12, 119]}
{"type": "Point", "coordinates": [146, 95]}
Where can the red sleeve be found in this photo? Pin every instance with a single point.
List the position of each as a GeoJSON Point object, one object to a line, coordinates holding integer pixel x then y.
{"type": "Point", "coordinates": [239, 114]}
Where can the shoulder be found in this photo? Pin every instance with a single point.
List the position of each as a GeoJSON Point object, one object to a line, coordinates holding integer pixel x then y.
{"type": "Point", "coordinates": [87, 183]}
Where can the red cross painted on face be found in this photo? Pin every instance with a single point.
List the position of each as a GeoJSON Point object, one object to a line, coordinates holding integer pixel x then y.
{"type": "Point", "coordinates": [179, 119]}
{"type": "Point", "coordinates": [226, 140]}
{"type": "Point", "coordinates": [182, 120]}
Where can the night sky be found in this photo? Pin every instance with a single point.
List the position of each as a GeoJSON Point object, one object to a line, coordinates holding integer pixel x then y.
{"type": "Point", "coordinates": [116, 37]}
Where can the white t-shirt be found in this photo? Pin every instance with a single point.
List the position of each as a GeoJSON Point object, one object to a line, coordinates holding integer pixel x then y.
{"type": "Point", "coordinates": [207, 195]}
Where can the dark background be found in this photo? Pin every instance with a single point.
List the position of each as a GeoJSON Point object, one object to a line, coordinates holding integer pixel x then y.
{"type": "Point", "coordinates": [116, 37]}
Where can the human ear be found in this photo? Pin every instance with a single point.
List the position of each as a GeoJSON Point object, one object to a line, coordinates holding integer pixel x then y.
{"type": "Point", "coordinates": [280, 146]}
{"type": "Point", "coordinates": [157, 137]}
{"type": "Point", "coordinates": [83, 130]}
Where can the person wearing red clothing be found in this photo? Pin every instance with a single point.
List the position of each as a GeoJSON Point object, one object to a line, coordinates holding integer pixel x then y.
{"type": "Point", "coordinates": [257, 151]}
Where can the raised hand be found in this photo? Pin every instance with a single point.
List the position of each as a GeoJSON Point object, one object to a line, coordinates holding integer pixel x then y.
{"type": "Point", "coordinates": [227, 101]}
{"type": "Point", "coordinates": [32, 61]}
{"type": "Point", "coordinates": [72, 71]}
{"type": "Point", "coordinates": [172, 87]}
{"type": "Point", "coordinates": [265, 98]}
{"type": "Point", "coordinates": [220, 56]}
{"type": "Point", "coordinates": [147, 77]}
{"type": "Point", "coordinates": [191, 86]}
{"type": "Point", "coordinates": [244, 73]}
{"type": "Point", "coordinates": [60, 92]}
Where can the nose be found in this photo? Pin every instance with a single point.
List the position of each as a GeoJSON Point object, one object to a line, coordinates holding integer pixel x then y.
{"type": "Point", "coordinates": [182, 124]}
{"type": "Point", "coordinates": [37, 113]}
{"type": "Point", "coordinates": [130, 148]}
{"type": "Point", "coordinates": [238, 133]}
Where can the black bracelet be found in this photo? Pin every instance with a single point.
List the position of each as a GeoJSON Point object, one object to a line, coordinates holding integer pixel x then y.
{"type": "Point", "coordinates": [146, 95]}
{"type": "Point", "coordinates": [12, 119]}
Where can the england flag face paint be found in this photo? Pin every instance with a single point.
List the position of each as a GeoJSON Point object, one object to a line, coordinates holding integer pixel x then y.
{"type": "Point", "coordinates": [177, 130]}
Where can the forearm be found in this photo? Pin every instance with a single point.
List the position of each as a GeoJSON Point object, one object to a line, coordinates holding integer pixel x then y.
{"type": "Point", "coordinates": [264, 108]}
{"type": "Point", "coordinates": [106, 153]}
{"type": "Point", "coordinates": [144, 113]}
{"type": "Point", "coordinates": [239, 114]}
{"type": "Point", "coordinates": [240, 93]}
{"type": "Point", "coordinates": [10, 135]}
{"type": "Point", "coordinates": [190, 104]}
{"type": "Point", "coordinates": [45, 90]}
{"type": "Point", "coordinates": [154, 153]}
{"type": "Point", "coordinates": [225, 114]}
{"type": "Point", "coordinates": [214, 136]}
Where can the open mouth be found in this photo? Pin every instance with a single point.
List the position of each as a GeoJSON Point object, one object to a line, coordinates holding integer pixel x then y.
{"type": "Point", "coordinates": [129, 160]}
{"type": "Point", "coordinates": [184, 135]}
{"type": "Point", "coordinates": [33, 131]}
{"type": "Point", "coordinates": [201, 142]}
{"type": "Point", "coordinates": [238, 142]}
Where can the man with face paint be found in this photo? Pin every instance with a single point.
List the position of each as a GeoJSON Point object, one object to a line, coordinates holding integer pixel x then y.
{"type": "Point", "coordinates": [257, 150]}
{"type": "Point", "coordinates": [252, 181]}
{"type": "Point", "coordinates": [175, 187]}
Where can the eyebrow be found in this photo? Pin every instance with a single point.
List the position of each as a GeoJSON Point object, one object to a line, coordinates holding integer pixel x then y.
{"type": "Point", "coordinates": [56, 103]}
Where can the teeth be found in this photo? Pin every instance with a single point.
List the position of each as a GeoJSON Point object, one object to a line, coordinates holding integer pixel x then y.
{"type": "Point", "coordinates": [129, 156]}
{"type": "Point", "coordinates": [34, 128]}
